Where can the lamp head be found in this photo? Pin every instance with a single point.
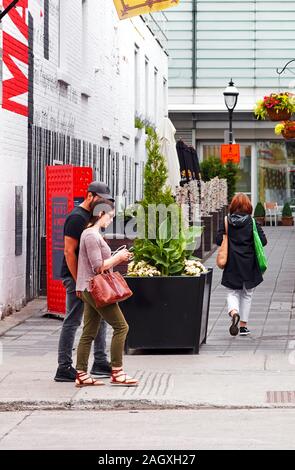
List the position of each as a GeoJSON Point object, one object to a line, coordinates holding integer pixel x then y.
{"type": "Point", "coordinates": [231, 94]}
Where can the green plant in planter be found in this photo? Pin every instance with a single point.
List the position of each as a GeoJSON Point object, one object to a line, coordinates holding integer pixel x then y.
{"type": "Point", "coordinates": [287, 212]}
{"type": "Point", "coordinates": [139, 122]}
{"type": "Point", "coordinates": [150, 127]}
{"type": "Point", "coordinates": [275, 101]}
{"type": "Point", "coordinates": [168, 255]}
{"type": "Point", "coordinates": [259, 210]}
{"type": "Point", "coordinates": [212, 167]}
{"type": "Point", "coordinates": [164, 246]}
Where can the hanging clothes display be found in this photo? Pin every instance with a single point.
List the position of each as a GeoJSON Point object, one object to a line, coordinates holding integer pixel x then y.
{"type": "Point", "coordinates": [188, 161]}
{"type": "Point", "coordinates": [190, 178]}
{"type": "Point", "coordinates": [168, 150]}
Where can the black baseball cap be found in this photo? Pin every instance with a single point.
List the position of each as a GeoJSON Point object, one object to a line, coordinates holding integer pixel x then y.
{"type": "Point", "coordinates": [101, 189]}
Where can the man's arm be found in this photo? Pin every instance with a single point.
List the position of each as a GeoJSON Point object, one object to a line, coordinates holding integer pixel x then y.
{"type": "Point", "coordinates": [71, 245]}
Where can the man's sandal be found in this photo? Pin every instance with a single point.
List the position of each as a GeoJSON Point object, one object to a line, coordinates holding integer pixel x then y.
{"type": "Point", "coordinates": [120, 378]}
{"type": "Point", "coordinates": [84, 380]}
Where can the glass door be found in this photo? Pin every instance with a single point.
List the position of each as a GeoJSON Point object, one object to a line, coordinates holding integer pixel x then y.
{"type": "Point", "coordinates": [244, 184]}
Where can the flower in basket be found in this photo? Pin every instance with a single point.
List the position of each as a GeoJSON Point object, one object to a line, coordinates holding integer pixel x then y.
{"type": "Point", "coordinates": [275, 105]}
{"type": "Point", "coordinates": [286, 128]}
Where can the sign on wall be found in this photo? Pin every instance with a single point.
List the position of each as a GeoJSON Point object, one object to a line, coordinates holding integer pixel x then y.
{"type": "Point", "coordinates": [230, 153]}
{"type": "Point", "coordinates": [129, 8]}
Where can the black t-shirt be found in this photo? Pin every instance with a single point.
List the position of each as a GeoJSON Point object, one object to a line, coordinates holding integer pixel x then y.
{"type": "Point", "coordinates": [75, 223]}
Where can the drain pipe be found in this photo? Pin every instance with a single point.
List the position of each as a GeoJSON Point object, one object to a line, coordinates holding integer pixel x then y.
{"type": "Point", "coordinates": [194, 61]}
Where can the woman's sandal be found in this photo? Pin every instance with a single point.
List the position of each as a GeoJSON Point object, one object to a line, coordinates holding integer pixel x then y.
{"type": "Point", "coordinates": [120, 378]}
{"type": "Point", "coordinates": [234, 328]}
{"type": "Point", "coordinates": [84, 380]}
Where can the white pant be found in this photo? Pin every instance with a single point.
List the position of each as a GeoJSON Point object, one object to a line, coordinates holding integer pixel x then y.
{"type": "Point", "coordinates": [240, 300]}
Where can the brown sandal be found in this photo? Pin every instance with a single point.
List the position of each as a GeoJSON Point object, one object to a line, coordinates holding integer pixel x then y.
{"type": "Point", "coordinates": [85, 380]}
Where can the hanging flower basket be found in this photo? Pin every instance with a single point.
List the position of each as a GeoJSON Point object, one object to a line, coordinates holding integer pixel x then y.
{"type": "Point", "coordinates": [279, 115]}
{"type": "Point", "coordinates": [286, 129]}
{"type": "Point", "coordinates": [289, 134]}
{"type": "Point", "coordinates": [276, 106]}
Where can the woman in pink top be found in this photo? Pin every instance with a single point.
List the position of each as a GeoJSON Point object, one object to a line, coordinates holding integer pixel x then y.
{"type": "Point", "coordinates": [95, 253]}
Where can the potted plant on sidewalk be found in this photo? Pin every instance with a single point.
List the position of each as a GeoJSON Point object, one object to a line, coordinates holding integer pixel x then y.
{"type": "Point", "coordinates": [171, 289]}
{"type": "Point", "coordinates": [259, 213]}
{"type": "Point", "coordinates": [287, 216]}
{"type": "Point", "coordinates": [276, 106]}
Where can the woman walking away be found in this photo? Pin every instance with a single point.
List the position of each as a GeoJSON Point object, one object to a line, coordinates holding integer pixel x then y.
{"type": "Point", "coordinates": [241, 273]}
{"type": "Point", "coordinates": [94, 255]}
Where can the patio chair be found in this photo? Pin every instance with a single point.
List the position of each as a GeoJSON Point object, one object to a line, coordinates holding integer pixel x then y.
{"type": "Point", "coordinates": [272, 210]}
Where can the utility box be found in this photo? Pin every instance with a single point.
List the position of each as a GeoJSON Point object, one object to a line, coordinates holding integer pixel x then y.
{"type": "Point", "coordinates": [66, 187]}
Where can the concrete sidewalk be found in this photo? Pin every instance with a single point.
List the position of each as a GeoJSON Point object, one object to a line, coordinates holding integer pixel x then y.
{"type": "Point", "coordinates": [229, 373]}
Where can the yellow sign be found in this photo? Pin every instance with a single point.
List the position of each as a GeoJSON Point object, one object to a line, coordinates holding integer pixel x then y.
{"type": "Point", "coordinates": [128, 8]}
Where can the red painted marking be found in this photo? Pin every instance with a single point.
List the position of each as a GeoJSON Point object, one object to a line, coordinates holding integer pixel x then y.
{"type": "Point", "coordinates": [14, 49]}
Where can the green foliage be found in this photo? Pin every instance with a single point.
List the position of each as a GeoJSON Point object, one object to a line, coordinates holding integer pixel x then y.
{"type": "Point", "coordinates": [170, 244]}
{"type": "Point", "coordinates": [139, 122]}
{"type": "Point", "coordinates": [259, 210]}
{"type": "Point", "coordinates": [287, 212]}
{"type": "Point", "coordinates": [156, 174]}
{"type": "Point", "coordinates": [212, 167]}
{"type": "Point", "coordinates": [166, 253]}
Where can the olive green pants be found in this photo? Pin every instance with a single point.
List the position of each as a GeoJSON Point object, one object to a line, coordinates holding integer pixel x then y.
{"type": "Point", "coordinates": [113, 315]}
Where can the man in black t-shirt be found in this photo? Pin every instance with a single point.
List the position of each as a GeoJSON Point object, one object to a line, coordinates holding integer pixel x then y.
{"type": "Point", "coordinates": [75, 223]}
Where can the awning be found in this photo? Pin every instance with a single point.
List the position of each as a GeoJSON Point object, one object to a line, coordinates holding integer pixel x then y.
{"type": "Point", "coordinates": [129, 8]}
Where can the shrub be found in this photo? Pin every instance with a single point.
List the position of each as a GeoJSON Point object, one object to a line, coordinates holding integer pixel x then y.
{"type": "Point", "coordinates": [259, 210]}
{"type": "Point", "coordinates": [287, 212]}
{"type": "Point", "coordinates": [213, 167]}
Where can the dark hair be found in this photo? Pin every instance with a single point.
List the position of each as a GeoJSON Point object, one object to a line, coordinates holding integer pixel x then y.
{"type": "Point", "coordinates": [103, 206]}
{"type": "Point", "coordinates": [241, 204]}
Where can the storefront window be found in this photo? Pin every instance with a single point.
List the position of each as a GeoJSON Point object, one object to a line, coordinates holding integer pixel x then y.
{"type": "Point", "coordinates": [244, 174]}
{"type": "Point", "coordinates": [276, 172]}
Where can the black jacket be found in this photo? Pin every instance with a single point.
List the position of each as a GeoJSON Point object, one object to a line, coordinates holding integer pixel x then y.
{"type": "Point", "coordinates": [242, 266]}
{"type": "Point", "coordinates": [188, 162]}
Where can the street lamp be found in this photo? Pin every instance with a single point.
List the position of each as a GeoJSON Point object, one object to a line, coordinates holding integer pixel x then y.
{"type": "Point", "coordinates": [231, 98]}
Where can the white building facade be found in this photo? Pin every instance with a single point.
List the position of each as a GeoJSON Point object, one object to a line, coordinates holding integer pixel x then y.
{"type": "Point", "coordinates": [211, 42]}
{"type": "Point", "coordinates": [73, 78]}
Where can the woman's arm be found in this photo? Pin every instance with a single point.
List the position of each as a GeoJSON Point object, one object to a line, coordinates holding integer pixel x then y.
{"type": "Point", "coordinates": [261, 234]}
{"type": "Point", "coordinates": [220, 233]}
{"type": "Point", "coordinates": [93, 249]}
{"type": "Point", "coordinates": [118, 258]}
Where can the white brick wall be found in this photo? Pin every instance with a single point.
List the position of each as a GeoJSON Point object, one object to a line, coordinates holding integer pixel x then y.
{"type": "Point", "coordinates": [107, 72]}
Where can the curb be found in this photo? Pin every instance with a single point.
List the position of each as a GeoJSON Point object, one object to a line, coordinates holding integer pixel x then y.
{"type": "Point", "coordinates": [129, 405]}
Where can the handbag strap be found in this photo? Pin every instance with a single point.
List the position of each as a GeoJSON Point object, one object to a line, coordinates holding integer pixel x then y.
{"type": "Point", "coordinates": [226, 225]}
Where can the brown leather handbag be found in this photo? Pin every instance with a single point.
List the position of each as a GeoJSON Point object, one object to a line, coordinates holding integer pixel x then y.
{"type": "Point", "coordinates": [109, 288]}
{"type": "Point", "coordinates": [222, 255]}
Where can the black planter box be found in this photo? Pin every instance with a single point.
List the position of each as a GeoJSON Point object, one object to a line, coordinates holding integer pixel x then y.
{"type": "Point", "coordinates": [207, 221]}
{"type": "Point", "coordinates": [215, 224]}
{"type": "Point", "coordinates": [200, 250]}
{"type": "Point", "coordinates": [168, 312]}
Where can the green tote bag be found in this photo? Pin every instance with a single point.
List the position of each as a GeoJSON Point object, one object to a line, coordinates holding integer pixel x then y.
{"type": "Point", "coordinates": [259, 250]}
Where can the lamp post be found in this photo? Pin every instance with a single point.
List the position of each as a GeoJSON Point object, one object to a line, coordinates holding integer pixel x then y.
{"type": "Point", "coordinates": [231, 98]}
